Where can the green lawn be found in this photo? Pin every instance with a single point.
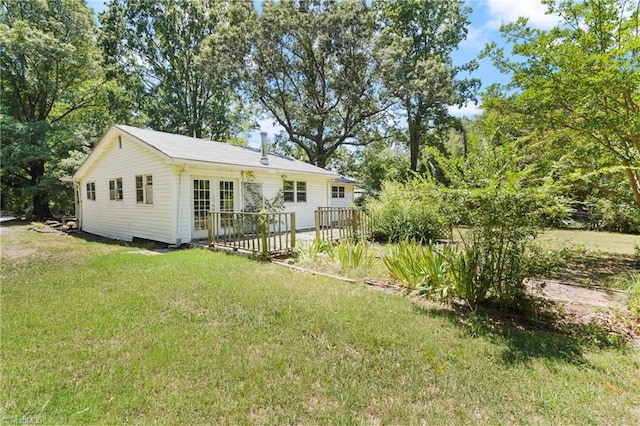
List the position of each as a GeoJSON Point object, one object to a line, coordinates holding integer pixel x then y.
{"type": "Point", "coordinates": [606, 242]}
{"type": "Point", "coordinates": [94, 334]}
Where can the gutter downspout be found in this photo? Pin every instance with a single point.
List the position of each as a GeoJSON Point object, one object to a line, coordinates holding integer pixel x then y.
{"type": "Point", "coordinates": [179, 207]}
{"type": "Point", "coordinates": [78, 203]}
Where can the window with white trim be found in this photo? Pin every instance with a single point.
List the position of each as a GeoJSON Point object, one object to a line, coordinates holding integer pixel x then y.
{"type": "Point", "coordinates": [337, 192]}
{"type": "Point", "coordinates": [144, 189]}
{"type": "Point", "coordinates": [91, 191]}
{"type": "Point", "coordinates": [115, 189]}
{"type": "Point", "coordinates": [294, 191]}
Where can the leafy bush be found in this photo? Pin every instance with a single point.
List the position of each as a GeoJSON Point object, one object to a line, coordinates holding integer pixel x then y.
{"type": "Point", "coordinates": [503, 210]}
{"type": "Point", "coordinates": [615, 217]}
{"type": "Point", "coordinates": [474, 273]}
{"type": "Point", "coordinates": [407, 211]}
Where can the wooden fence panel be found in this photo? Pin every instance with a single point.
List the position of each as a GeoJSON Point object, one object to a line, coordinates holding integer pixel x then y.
{"type": "Point", "coordinates": [265, 233]}
{"type": "Point", "coordinates": [337, 223]}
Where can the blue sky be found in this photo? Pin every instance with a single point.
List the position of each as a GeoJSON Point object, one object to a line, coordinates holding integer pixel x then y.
{"type": "Point", "coordinates": [486, 18]}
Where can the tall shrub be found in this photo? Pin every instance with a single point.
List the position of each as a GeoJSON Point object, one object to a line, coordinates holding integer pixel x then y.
{"type": "Point", "coordinates": [407, 211]}
{"type": "Point", "coordinates": [503, 208]}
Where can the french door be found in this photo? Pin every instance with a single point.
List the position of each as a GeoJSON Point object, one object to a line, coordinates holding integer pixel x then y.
{"type": "Point", "coordinates": [209, 194]}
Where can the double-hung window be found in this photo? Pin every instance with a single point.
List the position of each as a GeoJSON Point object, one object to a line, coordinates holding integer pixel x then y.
{"type": "Point", "coordinates": [337, 192]}
{"type": "Point", "coordinates": [294, 191]}
{"type": "Point", "coordinates": [144, 189]}
{"type": "Point", "coordinates": [115, 189]}
{"type": "Point", "coordinates": [91, 191]}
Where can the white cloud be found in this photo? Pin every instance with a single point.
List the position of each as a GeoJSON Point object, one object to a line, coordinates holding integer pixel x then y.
{"type": "Point", "coordinates": [505, 11]}
{"type": "Point", "coordinates": [476, 38]}
{"type": "Point", "coordinates": [468, 110]}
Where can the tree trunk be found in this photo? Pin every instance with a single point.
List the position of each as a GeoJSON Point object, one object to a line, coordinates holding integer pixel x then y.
{"type": "Point", "coordinates": [321, 161]}
{"type": "Point", "coordinates": [414, 144]}
{"type": "Point", "coordinates": [40, 196]}
{"type": "Point", "coordinates": [632, 176]}
{"type": "Point", "coordinates": [41, 208]}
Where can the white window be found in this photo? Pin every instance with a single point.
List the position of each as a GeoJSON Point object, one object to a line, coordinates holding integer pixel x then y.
{"type": "Point", "coordinates": [294, 191]}
{"type": "Point", "coordinates": [144, 189]}
{"type": "Point", "coordinates": [115, 189]}
{"type": "Point", "coordinates": [226, 203]}
{"type": "Point", "coordinates": [91, 191]}
{"type": "Point", "coordinates": [201, 203]}
{"type": "Point", "coordinates": [226, 196]}
{"type": "Point", "coordinates": [337, 192]}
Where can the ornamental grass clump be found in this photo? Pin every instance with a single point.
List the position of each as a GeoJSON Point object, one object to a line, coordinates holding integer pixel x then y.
{"type": "Point", "coordinates": [354, 254]}
{"type": "Point", "coordinates": [422, 268]}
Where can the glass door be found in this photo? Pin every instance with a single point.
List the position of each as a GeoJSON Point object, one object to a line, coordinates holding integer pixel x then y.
{"type": "Point", "coordinates": [201, 206]}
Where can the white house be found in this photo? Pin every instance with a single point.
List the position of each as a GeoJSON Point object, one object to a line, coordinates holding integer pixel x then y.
{"type": "Point", "coordinates": [140, 183]}
{"type": "Point", "coordinates": [342, 192]}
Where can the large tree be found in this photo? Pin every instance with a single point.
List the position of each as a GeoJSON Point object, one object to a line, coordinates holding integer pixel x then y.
{"type": "Point", "coordinates": [311, 69]}
{"type": "Point", "coordinates": [582, 76]}
{"type": "Point", "coordinates": [414, 53]}
{"type": "Point", "coordinates": [173, 58]}
{"type": "Point", "coordinates": [49, 71]}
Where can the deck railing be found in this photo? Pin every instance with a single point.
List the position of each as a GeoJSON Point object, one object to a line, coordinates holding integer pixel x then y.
{"type": "Point", "coordinates": [260, 233]}
{"type": "Point", "coordinates": [336, 223]}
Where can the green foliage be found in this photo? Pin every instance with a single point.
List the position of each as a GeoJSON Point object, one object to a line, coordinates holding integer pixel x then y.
{"type": "Point", "coordinates": [310, 251]}
{"type": "Point", "coordinates": [311, 68]}
{"type": "Point", "coordinates": [414, 55]}
{"type": "Point", "coordinates": [353, 254]}
{"type": "Point", "coordinates": [409, 211]}
{"type": "Point", "coordinates": [177, 63]}
{"type": "Point", "coordinates": [422, 267]}
{"type": "Point", "coordinates": [633, 301]}
{"type": "Point", "coordinates": [502, 207]}
{"type": "Point", "coordinates": [405, 262]}
{"type": "Point", "coordinates": [49, 74]}
{"type": "Point", "coordinates": [473, 273]}
{"type": "Point", "coordinates": [580, 76]}
{"type": "Point", "coordinates": [504, 212]}
{"type": "Point", "coordinates": [610, 216]}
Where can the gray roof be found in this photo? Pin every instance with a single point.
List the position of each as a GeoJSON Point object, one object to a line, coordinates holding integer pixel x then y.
{"type": "Point", "coordinates": [346, 180]}
{"type": "Point", "coordinates": [192, 149]}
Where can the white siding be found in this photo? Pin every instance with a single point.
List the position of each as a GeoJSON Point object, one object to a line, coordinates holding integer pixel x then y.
{"type": "Point", "coordinates": [347, 201]}
{"type": "Point", "coordinates": [124, 220]}
{"type": "Point", "coordinates": [317, 195]}
{"type": "Point", "coordinates": [170, 218]}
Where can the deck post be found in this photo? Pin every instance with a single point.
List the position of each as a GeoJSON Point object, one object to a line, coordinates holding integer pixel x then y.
{"type": "Point", "coordinates": [317, 219]}
{"type": "Point", "coordinates": [293, 230]}
{"type": "Point", "coordinates": [262, 220]}
{"type": "Point", "coordinates": [210, 227]}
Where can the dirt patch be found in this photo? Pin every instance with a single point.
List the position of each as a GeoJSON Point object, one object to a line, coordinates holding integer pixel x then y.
{"type": "Point", "coordinates": [575, 293]}
{"type": "Point", "coordinates": [598, 268]}
{"type": "Point", "coordinates": [11, 248]}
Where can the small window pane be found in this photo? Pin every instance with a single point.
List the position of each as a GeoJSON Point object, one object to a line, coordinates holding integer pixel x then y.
{"type": "Point", "coordinates": [289, 192]}
{"type": "Point", "coordinates": [148, 190]}
{"type": "Point", "coordinates": [139, 190]}
{"type": "Point", "coordinates": [301, 194]}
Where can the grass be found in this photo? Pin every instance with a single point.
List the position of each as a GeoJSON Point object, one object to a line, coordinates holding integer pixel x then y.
{"type": "Point", "coordinates": [92, 333]}
{"type": "Point", "coordinates": [604, 242]}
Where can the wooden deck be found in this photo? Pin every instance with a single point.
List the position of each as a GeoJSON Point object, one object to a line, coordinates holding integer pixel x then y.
{"type": "Point", "coordinates": [273, 234]}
